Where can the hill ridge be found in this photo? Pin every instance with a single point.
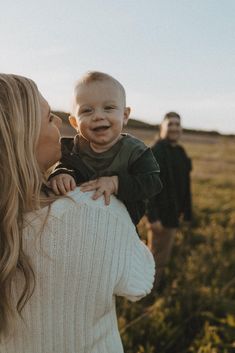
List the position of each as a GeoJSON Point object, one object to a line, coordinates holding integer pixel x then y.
{"type": "Point", "coordinates": [139, 124]}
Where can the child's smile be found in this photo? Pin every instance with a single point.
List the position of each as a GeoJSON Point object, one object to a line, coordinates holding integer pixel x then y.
{"type": "Point", "coordinates": [101, 128]}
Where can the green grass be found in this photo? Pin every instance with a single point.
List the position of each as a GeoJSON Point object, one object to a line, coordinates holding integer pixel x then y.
{"type": "Point", "coordinates": [195, 309]}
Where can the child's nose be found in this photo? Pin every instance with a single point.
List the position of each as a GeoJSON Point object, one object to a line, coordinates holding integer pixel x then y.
{"type": "Point", "coordinates": [99, 115]}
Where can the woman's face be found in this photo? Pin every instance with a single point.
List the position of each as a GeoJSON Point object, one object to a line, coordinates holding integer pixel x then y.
{"type": "Point", "coordinates": [48, 147]}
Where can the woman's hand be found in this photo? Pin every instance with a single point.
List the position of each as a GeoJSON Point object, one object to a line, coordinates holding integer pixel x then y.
{"type": "Point", "coordinates": [103, 186]}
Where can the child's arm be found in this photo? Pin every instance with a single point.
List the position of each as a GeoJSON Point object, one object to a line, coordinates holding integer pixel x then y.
{"type": "Point", "coordinates": [142, 179]}
{"type": "Point", "coordinates": [139, 183]}
{"type": "Point", "coordinates": [70, 170]}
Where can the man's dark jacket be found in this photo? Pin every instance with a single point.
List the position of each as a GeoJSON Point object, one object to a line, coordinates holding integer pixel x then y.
{"type": "Point", "coordinates": [165, 206]}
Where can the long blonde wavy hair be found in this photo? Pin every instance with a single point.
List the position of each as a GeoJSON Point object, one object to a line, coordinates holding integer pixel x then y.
{"type": "Point", "coordinates": [20, 185]}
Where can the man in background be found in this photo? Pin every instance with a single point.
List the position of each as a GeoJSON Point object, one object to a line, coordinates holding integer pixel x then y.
{"type": "Point", "coordinates": [173, 204]}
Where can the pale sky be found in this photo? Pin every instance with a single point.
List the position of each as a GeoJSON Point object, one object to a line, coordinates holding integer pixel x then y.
{"type": "Point", "coordinates": [169, 54]}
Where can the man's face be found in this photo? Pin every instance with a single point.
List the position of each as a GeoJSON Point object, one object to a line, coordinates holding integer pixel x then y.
{"type": "Point", "coordinates": [171, 129]}
{"type": "Point", "coordinates": [100, 113]}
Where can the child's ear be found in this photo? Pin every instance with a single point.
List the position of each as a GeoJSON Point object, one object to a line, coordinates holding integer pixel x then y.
{"type": "Point", "coordinates": [73, 122]}
{"type": "Point", "coordinates": [127, 112]}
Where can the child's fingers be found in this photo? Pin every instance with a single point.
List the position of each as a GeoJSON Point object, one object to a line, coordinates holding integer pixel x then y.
{"type": "Point", "coordinates": [66, 183]}
{"type": "Point", "coordinates": [88, 183]}
{"type": "Point", "coordinates": [54, 187]}
{"type": "Point", "coordinates": [88, 188]}
{"type": "Point", "coordinates": [72, 184]}
{"type": "Point", "coordinates": [91, 187]}
{"type": "Point", "coordinates": [61, 188]}
{"type": "Point", "coordinates": [98, 193]}
{"type": "Point", "coordinates": [107, 198]}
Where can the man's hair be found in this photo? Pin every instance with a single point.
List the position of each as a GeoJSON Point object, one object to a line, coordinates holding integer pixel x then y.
{"type": "Point", "coordinates": [97, 76]}
{"type": "Point", "coordinates": [171, 115]}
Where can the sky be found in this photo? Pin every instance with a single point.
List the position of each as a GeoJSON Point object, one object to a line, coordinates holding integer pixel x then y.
{"type": "Point", "coordinates": [169, 54]}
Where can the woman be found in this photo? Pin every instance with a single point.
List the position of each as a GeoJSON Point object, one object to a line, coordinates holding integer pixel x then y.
{"type": "Point", "coordinates": [62, 260]}
{"type": "Point", "coordinates": [174, 201]}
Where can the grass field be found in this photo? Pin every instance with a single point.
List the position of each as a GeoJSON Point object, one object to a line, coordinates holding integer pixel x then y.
{"type": "Point", "coordinates": [195, 309]}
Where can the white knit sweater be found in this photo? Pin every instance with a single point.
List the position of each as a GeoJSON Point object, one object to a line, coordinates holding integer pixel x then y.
{"type": "Point", "coordinates": [87, 254]}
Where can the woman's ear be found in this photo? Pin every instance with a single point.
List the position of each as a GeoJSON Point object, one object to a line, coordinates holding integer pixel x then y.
{"type": "Point", "coordinates": [127, 112]}
{"type": "Point", "coordinates": [73, 122]}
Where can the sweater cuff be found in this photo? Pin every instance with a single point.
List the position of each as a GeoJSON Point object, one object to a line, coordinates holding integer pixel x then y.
{"type": "Point", "coordinates": [62, 171]}
{"type": "Point", "coordinates": [142, 272]}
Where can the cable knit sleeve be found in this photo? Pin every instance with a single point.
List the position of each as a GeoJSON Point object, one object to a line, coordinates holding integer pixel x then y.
{"type": "Point", "coordinates": [116, 261]}
{"type": "Point", "coordinates": [128, 267]}
{"type": "Point", "coordinates": [138, 270]}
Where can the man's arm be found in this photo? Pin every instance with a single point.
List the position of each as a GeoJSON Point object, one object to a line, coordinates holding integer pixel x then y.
{"type": "Point", "coordinates": [188, 197]}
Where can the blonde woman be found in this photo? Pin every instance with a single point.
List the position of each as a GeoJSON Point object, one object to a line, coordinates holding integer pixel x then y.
{"type": "Point", "coordinates": [62, 259]}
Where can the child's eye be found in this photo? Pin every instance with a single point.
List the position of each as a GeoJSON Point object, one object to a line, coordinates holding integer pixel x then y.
{"type": "Point", "coordinates": [108, 107]}
{"type": "Point", "coordinates": [86, 111]}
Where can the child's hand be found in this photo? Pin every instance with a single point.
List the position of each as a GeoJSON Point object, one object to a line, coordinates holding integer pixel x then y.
{"type": "Point", "coordinates": [62, 183]}
{"type": "Point", "coordinates": [104, 186]}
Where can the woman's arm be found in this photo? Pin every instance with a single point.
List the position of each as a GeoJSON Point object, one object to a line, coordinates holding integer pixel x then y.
{"type": "Point", "coordinates": [136, 267]}
{"type": "Point", "coordinates": [112, 257]}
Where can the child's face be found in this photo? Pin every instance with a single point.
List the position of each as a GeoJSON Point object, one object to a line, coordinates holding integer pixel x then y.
{"type": "Point", "coordinates": [100, 113]}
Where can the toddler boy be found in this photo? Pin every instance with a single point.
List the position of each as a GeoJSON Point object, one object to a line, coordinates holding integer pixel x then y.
{"type": "Point", "coordinates": [100, 157]}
